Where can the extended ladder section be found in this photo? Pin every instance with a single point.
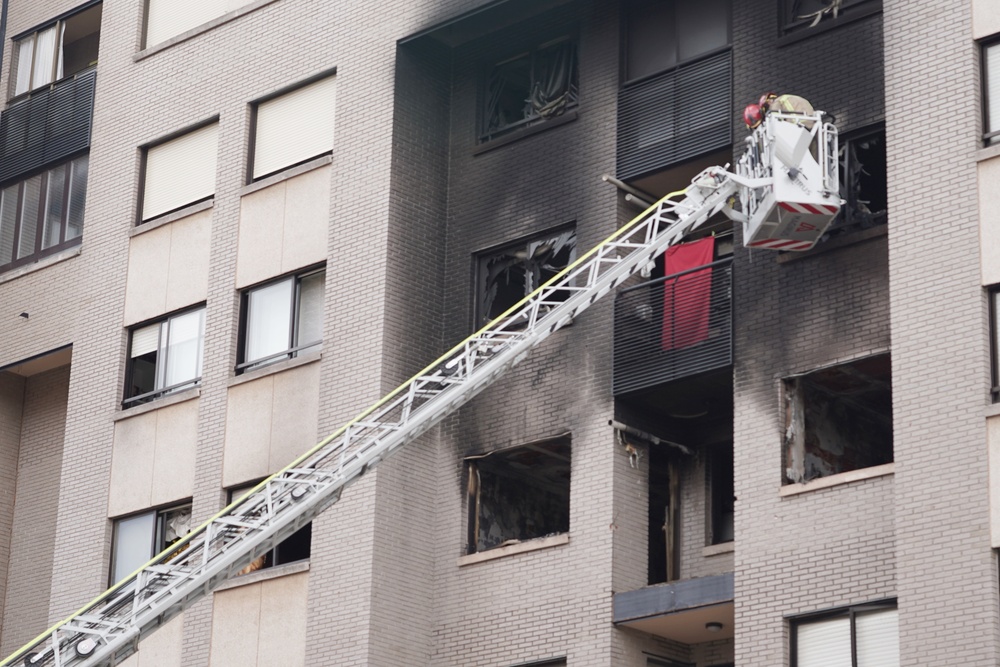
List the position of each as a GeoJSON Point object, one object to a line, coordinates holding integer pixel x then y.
{"type": "Point", "coordinates": [109, 629]}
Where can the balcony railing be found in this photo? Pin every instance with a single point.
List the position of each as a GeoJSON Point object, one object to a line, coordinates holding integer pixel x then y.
{"type": "Point", "coordinates": [49, 125]}
{"type": "Point", "coordinates": [673, 327]}
{"type": "Point", "coordinates": [675, 116]}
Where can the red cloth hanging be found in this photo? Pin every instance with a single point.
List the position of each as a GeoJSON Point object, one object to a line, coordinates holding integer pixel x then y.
{"type": "Point", "coordinates": [687, 298]}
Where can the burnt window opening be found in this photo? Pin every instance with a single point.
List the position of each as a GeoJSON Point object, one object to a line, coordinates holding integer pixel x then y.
{"type": "Point", "coordinates": [863, 183]}
{"type": "Point", "coordinates": [838, 419]}
{"type": "Point", "coordinates": [530, 87]}
{"type": "Point", "coordinates": [518, 494]}
{"type": "Point", "coordinates": [294, 548]}
{"type": "Point", "coordinates": [506, 276]}
{"type": "Point", "coordinates": [801, 15]}
{"type": "Point", "coordinates": [663, 550]}
{"type": "Point", "coordinates": [721, 494]}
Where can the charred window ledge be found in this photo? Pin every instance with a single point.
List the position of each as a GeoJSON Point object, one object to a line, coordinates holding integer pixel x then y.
{"type": "Point", "coordinates": [264, 575]}
{"type": "Point", "coordinates": [718, 549]}
{"type": "Point", "coordinates": [532, 130]}
{"type": "Point", "coordinates": [838, 480]}
{"type": "Point", "coordinates": [511, 549]}
{"type": "Point", "coordinates": [166, 401]}
{"type": "Point", "coordinates": [835, 244]}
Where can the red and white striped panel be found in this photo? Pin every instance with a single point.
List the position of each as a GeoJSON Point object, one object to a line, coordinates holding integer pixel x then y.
{"type": "Point", "coordinates": [811, 209]}
{"type": "Point", "coordinates": [782, 244]}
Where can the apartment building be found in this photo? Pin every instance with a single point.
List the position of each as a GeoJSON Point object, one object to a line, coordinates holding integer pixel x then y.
{"type": "Point", "coordinates": [227, 226]}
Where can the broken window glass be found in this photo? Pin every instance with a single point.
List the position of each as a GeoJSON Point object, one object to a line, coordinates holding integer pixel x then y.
{"type": "Point", "coordinates": [508, 275]}
{"type": "Point", "coordinates": [802, 14]}
{"type": "Point", "coordinates": [518, 494]}
{"type": "Point", "coordinates": [838, 419]}
{"type": "Point", "coordinates": [530, 87]}
{"type": "Point", "coordinates": [863, 183]}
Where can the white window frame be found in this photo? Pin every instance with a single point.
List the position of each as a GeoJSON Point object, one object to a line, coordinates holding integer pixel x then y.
{"type": "Point", "coordinates": [293, 312]}
{"type": "Point", "coordinates": [163, 345]}
{"type": "Point", "coordinates": [157, 537]}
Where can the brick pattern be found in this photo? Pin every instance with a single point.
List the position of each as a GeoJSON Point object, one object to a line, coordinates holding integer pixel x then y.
{"type": "Point", "coordinates": [11, 408]}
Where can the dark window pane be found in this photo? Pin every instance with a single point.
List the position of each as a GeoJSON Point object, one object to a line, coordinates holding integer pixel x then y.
{"type": "Point", "coordinates": [81, 40]}
{"type": "Point", "coordinates": [29, 216]}
{"type": "Point", "coordinates": [55, 190]}
{"type": "Point", "coordinates": [508, 93]}
{"type": "Point", "coordinates": [296, 547]}
{"type": "Point", "coordinates": [77, 197]}
{"type": "Point", "coordinates": [8, 221]}
{"type": "Point", "coordinates": [143, 374]}
{"type": "Point", "coordinates": [652, 41]}
{"type": "Point", "coordinates": [702, 26]}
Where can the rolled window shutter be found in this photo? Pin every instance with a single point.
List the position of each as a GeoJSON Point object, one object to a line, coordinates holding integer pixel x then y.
{"type": "Point", "coordinates": [180, 171]}
{"type": "Point", "coordinates": [145, 340]}
{"type": "Point", "coordinates": [169, 18]}
{"type": "Point", "coordinates": [825, 643]}
{"type": "Point", "coordinates": [878, 638]}
{"type": "Point", "coordinates": [294, 127]}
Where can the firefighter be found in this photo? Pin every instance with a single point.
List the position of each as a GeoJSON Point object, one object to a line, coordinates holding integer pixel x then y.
{"type": "Point", "coordinates": [753, 116]}
{"type": "Point", "coordinates": [788, 104]}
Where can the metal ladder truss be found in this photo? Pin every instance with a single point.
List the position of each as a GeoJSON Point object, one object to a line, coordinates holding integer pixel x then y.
{"type": "Point", "coordinates": [108, 629]}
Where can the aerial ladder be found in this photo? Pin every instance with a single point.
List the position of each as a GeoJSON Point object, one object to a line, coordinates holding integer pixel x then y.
{"type": "Point", "coordinates": [786, 183]}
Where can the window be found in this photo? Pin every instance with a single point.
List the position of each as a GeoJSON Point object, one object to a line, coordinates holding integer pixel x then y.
{"type": "Point", "coordinates": [518, 494]}
{"type": "Point", "coordinates": [991, 92]}
{"type": "Point", "coordinates": [722, 496]}
{"type": "Point", "coordinates": [282, 319]}
{"type": "Point", "coordinates": [662, 35]}
{"type": "Point", "coordinates": [995, 343]}
{"type": "Point", "coordinates": [296, 547]}
{"type": "Point", "coordinates": [293, 128]}
{"type": "Point", "coordinates": [179, 172]}
{"type": "Point", "coordinates": [863, 636]}
{"type": "Point", "coordinates": [838, 419]}
{"type": "Point", "coordinates": [42, 214]}
{"type": "Point", "coordinates": [530, 87]}
{"type": "Point", "coordinates": [863, 181]}
{"type": "Point", "coordinates": [799, 15]}
{"type": "Point", "coordinates": [56, 51]}
{"type": "Point", "coordinates": [165, 357]}
{"type": "Point", "coordinates": [507, 275]}
{"type": "Point", "coordinates": [139, 537]}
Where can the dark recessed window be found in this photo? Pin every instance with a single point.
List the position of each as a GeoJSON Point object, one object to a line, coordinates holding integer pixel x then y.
{"type": "Point", "coordinates": [662, 34]}
{"type": "Point", "coordinates": [507, 275]}
{"type": "Point", "coordinates": [139, 537]}
{"type": "Point", "coordinates": [991, 92]}
{"type": "Point", "coordinates": [863, 182]}
{"type": "Point", "coordinates": [722, 496]}
{"type": "Point", "coordinates": [296, 547]}
{"type": "Point", "coordinates": [530, 87]}
{"type": "Point", "coordinates": [57, 51]}
{"type": "Point", "coordinates": [42, 214]}
{"type": "Point", "coordinates": [862, 636]}
{"type": "Point", "coordinates": [799, 15]}
{"type": "Point", "coordinates": [518, 494]}
{"type": "Point", "coordinates": [838, 419]}
{"type": "Point", "coordinates": [165, 356]}
{"type": "Point", "coordinates": [282, 319]}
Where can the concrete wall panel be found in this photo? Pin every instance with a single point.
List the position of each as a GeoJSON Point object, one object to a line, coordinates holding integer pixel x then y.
{"type": "Point", "coordinates": [985, 18]}
{"type": "Point", "coordinates": [989, 220]}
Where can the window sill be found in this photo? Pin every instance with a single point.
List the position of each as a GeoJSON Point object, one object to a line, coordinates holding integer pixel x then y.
{"type": "Point", "coordinates": [43, 263]}
{"type": "Point", "coordinates": [264, 575]}
{"type": "Point", "coordinates": [156, 223]}
{"type": "Point", "coordinates": [163, 402]}
{"type": "Point", "coordinates": [799, 34]}
{"type": "Point", "coordinates": [286, 174]}
{"type": "Point", "coordinates": [988, 153]}
{"type": "Point", "coordinates": [718, 549]}
{"type": "Point", "coordinates": [517, 135]}
{"type": "Point", "coordinates": [276, 367]}
{"type": "Point", "coordinates": [843, 241]}
{"type": "Point", "coordinates": [510, 550]}
{"type": "Point", "coordinates": [992, 409]}
{"type": "Point", "coordinates": [838, 479]}
{"type": "Point", "coordinates": [197, 30]}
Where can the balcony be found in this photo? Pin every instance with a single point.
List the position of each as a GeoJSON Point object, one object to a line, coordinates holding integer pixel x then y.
{"type": "Point", "coordinates": [48, 125]}
{"type": "Point", "coordinates": [675, 116]}
{"type": "Point", "coordinates": [673, 327]}
{"type": "Point", "coordinates": [690, 611]}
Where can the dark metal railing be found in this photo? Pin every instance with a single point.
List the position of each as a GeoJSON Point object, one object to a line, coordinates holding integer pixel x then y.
{"type": "Point", "coordinates": [673, 327]}
{"type": "Point", "coordinates": [156, 393]}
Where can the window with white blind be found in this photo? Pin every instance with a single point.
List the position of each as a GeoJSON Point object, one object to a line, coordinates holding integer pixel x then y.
{"type": "Point", "coordinates": [56, 50]}
{"type": "Point", "coordinates": [169, 18]}
{"type": "Point", "coordinates": [991, 92]}
{"type": "Point", "coordinates": [281, 319]}
{"type": "Point", "coordinates": [139, 537]}
{"type": "Point", "coordinates": [292, 128]}
{"type": "Point", "coordinates": [165, 356]}
{"type": "Point", "coordinates": [863, 636]}
{"type": "Point", "coordinates": [179, 172]}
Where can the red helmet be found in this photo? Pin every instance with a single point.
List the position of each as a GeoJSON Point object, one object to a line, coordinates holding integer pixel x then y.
{"type": "Point", "coordinates": [765, 101]}
{"type": "Point", "coordinates": [752, 116]}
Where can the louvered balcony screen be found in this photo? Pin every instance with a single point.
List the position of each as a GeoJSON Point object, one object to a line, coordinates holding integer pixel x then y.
{"type": "Point", "coordinates": [673, 327]}
{"type": "Point", "coordinates": [672, 117]}
{"type": "Point", "coordinates": [50, 125]}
